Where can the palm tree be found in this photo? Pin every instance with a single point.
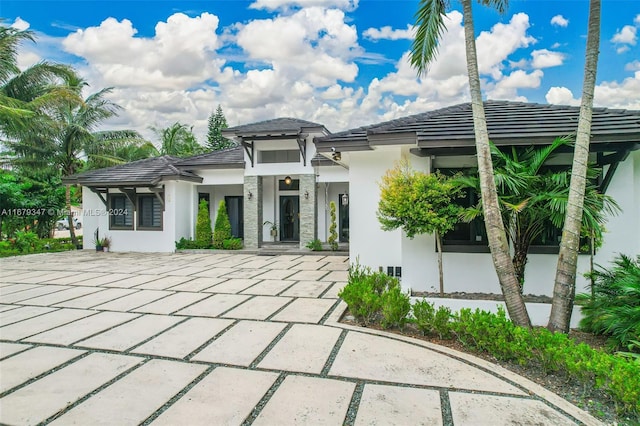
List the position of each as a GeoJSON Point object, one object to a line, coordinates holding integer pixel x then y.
{"type": "Point", "coordinates": [178, 140]}
{"type": "Point", "coordinates": [73, 135]}
{"type": "Point", "coordinates": [26, 96]}
{"type": "Point", "coordinates": [565, 283]}
{"type": "Point", "coordinates": [430, 26]}
{"type": "Point", "coordinates": [534, 198]}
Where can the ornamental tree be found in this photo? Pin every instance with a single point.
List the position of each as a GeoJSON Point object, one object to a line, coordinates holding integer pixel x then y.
{"type": "Point", "coordinates": [419, 203]}
{"type": "Point", "coordinates": [222, 228]}
{"type": "Point", "coordinates": [203, 225]}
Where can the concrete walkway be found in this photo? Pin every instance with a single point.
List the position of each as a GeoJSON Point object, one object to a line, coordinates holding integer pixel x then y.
{"type": "Point", "coordinates": [215, 339]}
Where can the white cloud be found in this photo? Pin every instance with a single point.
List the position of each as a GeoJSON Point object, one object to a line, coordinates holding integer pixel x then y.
{"type": "Point", "coordinates": [544, 58]}
{"type": "Point", "coordinates": [288, 4]}
{"type": "Point", "coordinates": [610, 94]}
{"type": "Point", "coordinates": [615, 94]}
{"type": "Point", "coordinates": [507, 88]}
{"type": "Point", "coordinates": [20, 24]}
{"type": "Point", "coordinates": [632, 66]}
{"type": "Point", "coordinates": [627, 35]}
{"type": "Point", "coordinates": [179, 55]}
{"type": "Point", "coordinates": [313, 44]}
{"type": "Point", "coordinates": [387, 33]}
{"type": "Point", "coordinates": [561, 96]}
{"type": "Point", "coordinates": [560, 21]}
{"type": "Point", "coordinates": [636, 20]}
{"type": "Point", "coordinates": [495, 46]}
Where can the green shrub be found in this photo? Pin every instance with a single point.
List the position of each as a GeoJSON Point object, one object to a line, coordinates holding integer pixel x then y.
{"type": "Point", "coordinates": [441, 322]}
{"type": "Point", "coordinates": [613, 307]}
{"type": "Point", "coordinates": [314, 245]}
{"type": "Point", "coordinates": [363, 301]}
{"type": "Point", "coordinates": [222, 228]}
{"type": "Point", "coordinates": [494, 334]}
{"type": "Point", "coordinates": [364, 290]}
{"type": "Point", "coordinates": [188, 244]}
{"type": "Point", "coordinates": [424, 316]}
{"type": "Point", "coordinates": [232, 244]}
{"type": "Point", "coordinates": [396, 305]}
{"type": "Point", "coordinates": [26, 241]}
{"type": "Point", "coordinates": [203, 226]}
{"type": "Point", "coordinates": [357, 272]}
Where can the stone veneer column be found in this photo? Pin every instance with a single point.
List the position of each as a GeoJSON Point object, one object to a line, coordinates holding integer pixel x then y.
{"type": "Point", "coordinates": [253, 212]}
{"type": "Point", "coordinates": [308, 209]}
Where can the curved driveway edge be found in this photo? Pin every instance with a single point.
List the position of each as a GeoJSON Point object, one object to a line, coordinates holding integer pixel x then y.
{"type": "Point", "coordinates": [131, 338]}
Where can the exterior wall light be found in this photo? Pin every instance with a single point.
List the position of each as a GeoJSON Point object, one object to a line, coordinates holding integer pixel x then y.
{"type": "Point", "coordinates": [306, 195]}
{"type": "Point", "coordinates": [250, 195]}
{"type": "Point", "coordinates": [287, 180]}
{"type": "Point", "coordinates": [337, 156]}
{"type": "Point", "coordinates": [345, 199]}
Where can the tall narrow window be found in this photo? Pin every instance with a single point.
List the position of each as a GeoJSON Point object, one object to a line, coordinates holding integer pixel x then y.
{"type": "Point", "coordinates": [120, 212]}
{"type": "Point", "coordinates": [149, 212]}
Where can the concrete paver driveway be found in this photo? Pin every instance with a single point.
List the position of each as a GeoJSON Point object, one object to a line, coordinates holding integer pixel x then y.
{"type": "Point", "coordinates": [189, 339]}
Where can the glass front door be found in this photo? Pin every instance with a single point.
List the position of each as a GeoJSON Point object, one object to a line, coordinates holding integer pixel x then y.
{"type": "Point", "coordinates": [289, 218]}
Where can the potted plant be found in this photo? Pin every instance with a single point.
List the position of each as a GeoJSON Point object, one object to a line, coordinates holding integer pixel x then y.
{"type": "Point", "coordinates": [273, 228]}
{"type": "Point", "coordinates": [105, 242]}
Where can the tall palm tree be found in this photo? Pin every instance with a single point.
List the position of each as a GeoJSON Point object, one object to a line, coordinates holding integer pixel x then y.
{"type": "Point", "coordinates": [72, 136]}
{"type": "Point", "coordinates": [430, 26]}
{"type": "Point", "coordinates": [565, 283]}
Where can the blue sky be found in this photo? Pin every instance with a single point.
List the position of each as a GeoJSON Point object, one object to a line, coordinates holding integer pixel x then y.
{"type": "Point", "coordinates": [342, 63]}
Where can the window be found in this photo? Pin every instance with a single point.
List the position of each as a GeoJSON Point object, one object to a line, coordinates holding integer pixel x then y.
{"type": "Point", "coordinates": [467, 237]}
{"type": "Point", "coordinates": [149, 212]}
{"type": "Point", "coordinates": [280, 156]}
{"type": "Point", "coordinates": [120, 212]}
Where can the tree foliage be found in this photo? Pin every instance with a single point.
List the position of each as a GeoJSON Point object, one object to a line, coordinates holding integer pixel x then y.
{"type": "Point", "coordinates": [178, 140]}
{"type": "Point", "coordinates": [418, 203]}
{"type": "Point", "coordinates": [203, 226]}
{"type": "Point", "coordinates": [222, 228]}
{"type": "Point", "coordinates": [217, 123]}
{"type": "Point", "coordinates": [533, 197]}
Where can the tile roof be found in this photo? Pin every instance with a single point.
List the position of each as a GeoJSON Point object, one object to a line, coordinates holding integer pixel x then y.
{"type": "Point", "coordinates": [224, 159]}
{"type": "Point", "coordinates": [147, 172]}
{"type": "Point", "coordinates": [277, 125]}
{"type": "Point", "coordinates": [508, 123]}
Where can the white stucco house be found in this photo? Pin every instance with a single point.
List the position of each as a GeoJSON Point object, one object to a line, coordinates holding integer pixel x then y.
{"type": "Point", "coordinates": [288, 170]}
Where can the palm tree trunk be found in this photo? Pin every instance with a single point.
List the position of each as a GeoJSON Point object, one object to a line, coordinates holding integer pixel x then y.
{"type": "Point", "coordinates": [565, 283]}
{"type": "Point", "coordinates": [440, 271]}
{"type": "Point", "coordinates": [493, 219]}
{"type": "Point", "coordinates": [72, 229]}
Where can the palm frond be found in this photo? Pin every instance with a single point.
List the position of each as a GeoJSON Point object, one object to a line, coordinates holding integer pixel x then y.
{"type": "Point", "coordinates": [430, 26]}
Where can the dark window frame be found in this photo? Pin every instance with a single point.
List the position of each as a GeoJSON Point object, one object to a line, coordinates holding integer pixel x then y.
{"type": "Point", "coordinates": [140, 217]}
{"type": "Point", "coordinates": [112, 197]}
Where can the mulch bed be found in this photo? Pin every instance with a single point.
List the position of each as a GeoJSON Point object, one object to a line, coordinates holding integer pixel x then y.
{"type": "Point", "coordinates": [529, 298]}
